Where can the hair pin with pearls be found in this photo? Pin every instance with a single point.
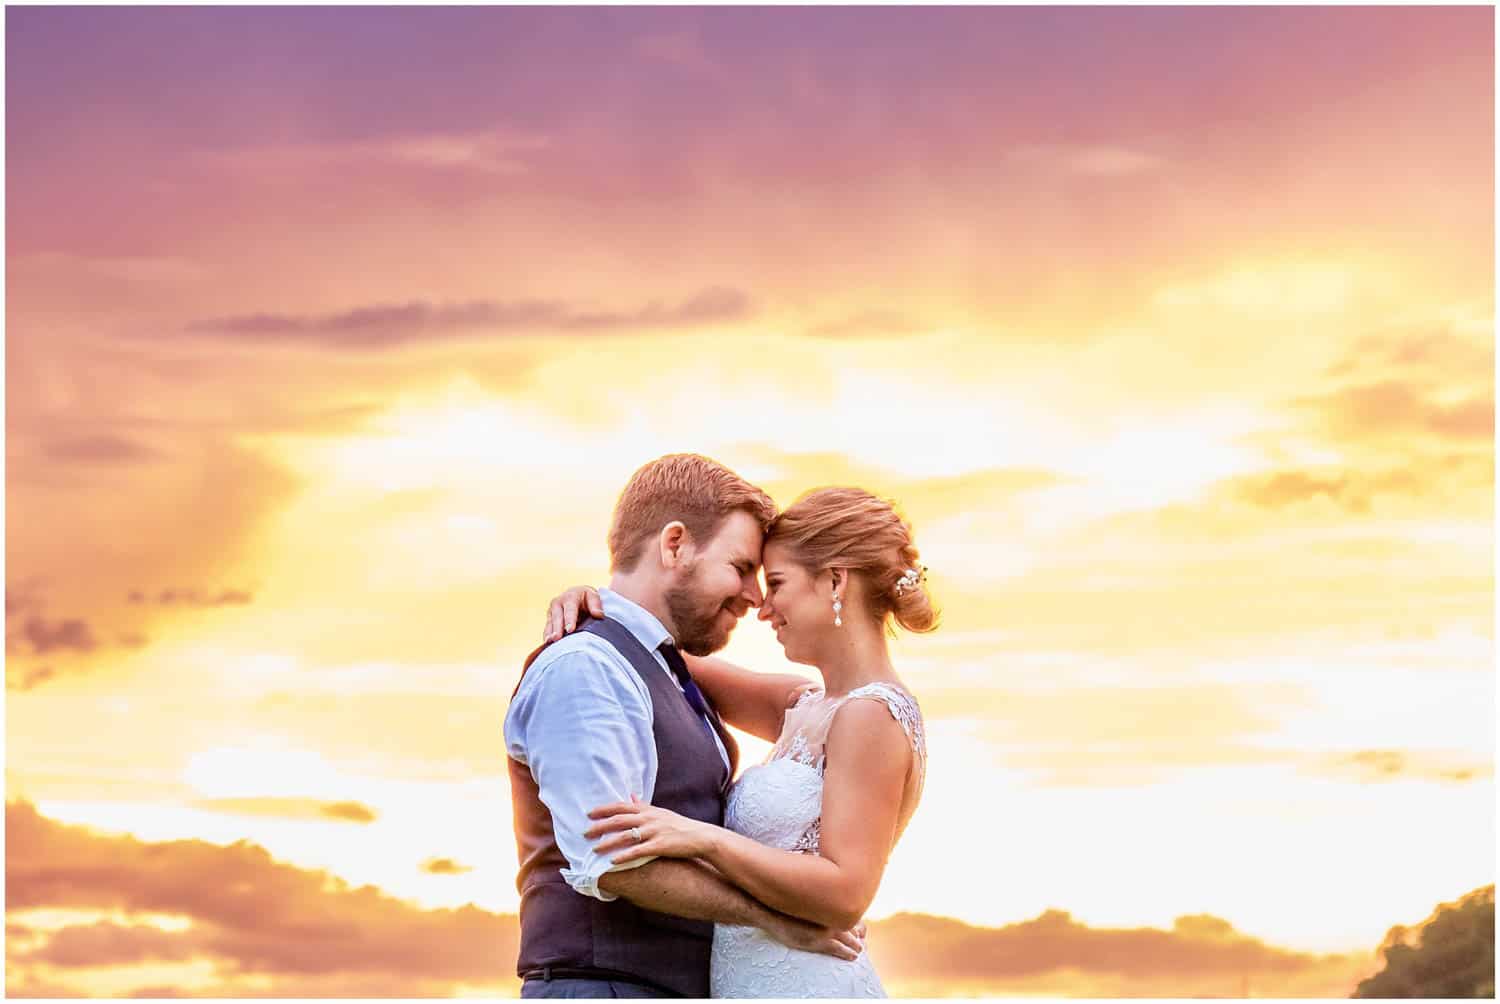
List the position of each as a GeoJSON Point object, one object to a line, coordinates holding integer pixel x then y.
{"type": "Point", "coordinates": [913, 578]}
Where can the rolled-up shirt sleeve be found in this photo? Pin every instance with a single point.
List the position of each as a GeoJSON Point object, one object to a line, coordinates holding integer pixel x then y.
{"type": "Point", "coordinates": [581, 722]}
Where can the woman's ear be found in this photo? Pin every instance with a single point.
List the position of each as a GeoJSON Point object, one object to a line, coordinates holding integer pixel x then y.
{"type": "Point", "coordinates": [840, 580]}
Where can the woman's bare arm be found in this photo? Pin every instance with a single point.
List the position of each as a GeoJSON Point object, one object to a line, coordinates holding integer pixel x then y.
{"type": "Point", "coordinates": [868, 758]}
{"type": "Point", "coordinates": [752, 702]}
{"type": "Point", "coordinates": [868, 761]}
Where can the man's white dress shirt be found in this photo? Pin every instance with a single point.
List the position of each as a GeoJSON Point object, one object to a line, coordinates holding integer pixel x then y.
{"type": "Point", "coordinates": [581, 721]}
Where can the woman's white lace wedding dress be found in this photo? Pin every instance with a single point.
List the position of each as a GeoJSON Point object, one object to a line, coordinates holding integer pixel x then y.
{"type": "Point", "coordinates": [779, 802]}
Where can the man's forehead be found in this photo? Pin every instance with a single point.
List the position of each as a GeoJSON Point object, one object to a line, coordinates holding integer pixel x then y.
{"type": "Point", "coordinates": [738, 538]}
{"type": "Point", "coordinates": [742, 538]}
{"type": "Point", "coordinates": [748, 550]}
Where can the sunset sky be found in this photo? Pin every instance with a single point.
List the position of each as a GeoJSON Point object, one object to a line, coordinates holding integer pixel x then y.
{"type": "Point", "coordinates": [332, 335]}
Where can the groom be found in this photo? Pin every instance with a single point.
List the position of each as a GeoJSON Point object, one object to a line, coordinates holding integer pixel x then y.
{"type": "Point", "coordinates": [610, 711]}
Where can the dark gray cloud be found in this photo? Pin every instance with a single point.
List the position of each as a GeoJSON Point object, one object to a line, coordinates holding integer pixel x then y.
{"type": "Point", "coordinates": [386, 325]}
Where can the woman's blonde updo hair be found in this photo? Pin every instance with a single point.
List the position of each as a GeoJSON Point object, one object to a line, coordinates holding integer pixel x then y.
{"type": "Point", "coordinates": [850, 528]}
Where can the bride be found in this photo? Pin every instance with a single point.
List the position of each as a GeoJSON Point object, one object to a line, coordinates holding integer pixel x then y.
{"type": "Point", "coordinates": [808, 831]}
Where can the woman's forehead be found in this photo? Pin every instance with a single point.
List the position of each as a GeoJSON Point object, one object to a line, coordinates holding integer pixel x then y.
{"type": "Point", "coordinates": [774, 556]}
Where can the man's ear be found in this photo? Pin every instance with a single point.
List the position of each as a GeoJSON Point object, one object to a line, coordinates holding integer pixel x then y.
{"type": "Point", "coordinates": [675, 545]}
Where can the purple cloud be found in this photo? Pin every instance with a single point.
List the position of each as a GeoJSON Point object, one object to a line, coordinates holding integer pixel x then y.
{"type": "Point", "coordinates": [386, 325]}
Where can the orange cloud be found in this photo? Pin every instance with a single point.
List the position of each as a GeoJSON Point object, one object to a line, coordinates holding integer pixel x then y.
{"type": "Point", "coordinates": [291, 808]}
{"type": "Point", "coordinates": [197, 521]}
{"type": "Point", "coordinates": [1054, 955]}
{"type": "Point", "coordinates": [108, 944]}
{"type": "Point", "coordinates": [28, 677]}
{"type": "Point", "coordinates": [352, 811]}
{"type": "Point", "coordinates": [30, 637]}
{"type": "Point", "coordinates": [277, 930]}
{"type": "Point", "coordinates": [1439, 352]}
{"type": "Point", "coordinates": [1375, 766]}
{"type": "Point", "coordinates": [274, 926]}
{"type": "Point", "coordinates": [1350, 487]}
{"type": "Point", "coordinates": [1393, 408]}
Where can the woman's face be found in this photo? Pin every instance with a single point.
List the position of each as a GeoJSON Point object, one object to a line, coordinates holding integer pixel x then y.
{"type": "Point", "coordinates": [798, 604]}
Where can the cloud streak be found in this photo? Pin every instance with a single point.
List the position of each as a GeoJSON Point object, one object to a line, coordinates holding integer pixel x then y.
{"type": "Point", "coordinates": [191, 597]}
{"type": "Point", "coordinates": [104, 449]}
{"type": "Point", "coordinates": [292, 808]}
{"type": "Point", "coordinates": [389, 325]}
{"type": "Point", "coordinates": [870, 324]}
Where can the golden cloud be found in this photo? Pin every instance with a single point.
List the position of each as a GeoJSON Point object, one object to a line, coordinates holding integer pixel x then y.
{"type": "Point", "coordinates": [291, 808]}
{"type": "Point", "coordinates": [277, 930]}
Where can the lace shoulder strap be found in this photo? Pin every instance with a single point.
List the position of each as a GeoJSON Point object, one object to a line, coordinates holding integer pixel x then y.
{"type": "Point", "coordinates": [810, 693]}
{"type": "Point", "coordinates": [903, 707]}
{"type": "Point", "coordinates": [804, 729]}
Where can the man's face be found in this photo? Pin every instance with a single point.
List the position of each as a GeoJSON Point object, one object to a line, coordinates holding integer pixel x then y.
{"type": "Point", "coordinates": [718, 588]}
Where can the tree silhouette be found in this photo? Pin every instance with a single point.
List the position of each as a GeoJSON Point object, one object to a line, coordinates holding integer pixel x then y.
{"type": "Point", "coordinates": [1452, 953]}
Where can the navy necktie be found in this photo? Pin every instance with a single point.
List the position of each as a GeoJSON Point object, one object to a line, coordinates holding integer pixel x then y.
{"type": "Point", "coordinates": [678, 666]}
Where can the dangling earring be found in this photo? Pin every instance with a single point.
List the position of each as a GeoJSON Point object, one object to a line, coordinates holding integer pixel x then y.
{"type": "Point", "coordinates": [838, 621]}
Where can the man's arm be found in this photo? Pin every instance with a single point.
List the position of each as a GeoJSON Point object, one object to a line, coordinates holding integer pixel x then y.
{"type": "Point", "coordinates": [688, 889]}
{"type": "Point", "coordinates": [582, 725]}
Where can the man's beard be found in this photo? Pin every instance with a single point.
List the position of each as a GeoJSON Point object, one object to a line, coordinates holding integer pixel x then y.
{"type": "Point", "coordinates": [695, 619]}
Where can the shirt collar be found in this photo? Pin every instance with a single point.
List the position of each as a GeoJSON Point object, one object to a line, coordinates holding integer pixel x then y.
{"type": "Point", "coordinates": [637, 619]}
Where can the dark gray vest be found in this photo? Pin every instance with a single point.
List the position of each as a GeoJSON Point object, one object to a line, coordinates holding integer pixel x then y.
{"type": "Point", "coordinates": [565, 930]}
